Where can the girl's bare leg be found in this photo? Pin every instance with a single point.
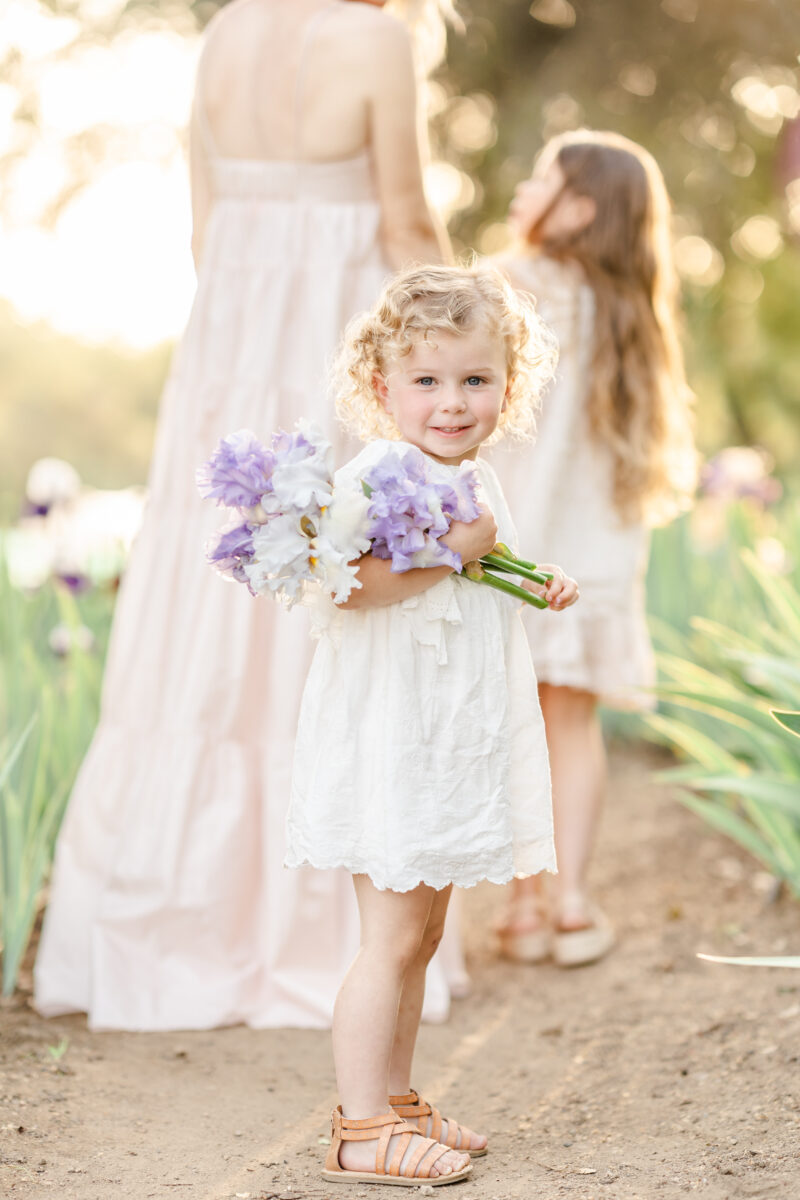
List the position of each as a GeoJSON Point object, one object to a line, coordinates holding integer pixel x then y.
{"type": "Point", "coordinates": [413, 994]}
{"type": "Point", "coordinates": [578, 766]}
{"type": "Point", "coordinates": [365, 1018]}
{"type": "Point", "coordinates": [578, 772]}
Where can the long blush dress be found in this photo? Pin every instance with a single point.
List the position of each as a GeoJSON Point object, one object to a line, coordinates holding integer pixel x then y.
{"type": "Point", "coordinates": [170, 907]}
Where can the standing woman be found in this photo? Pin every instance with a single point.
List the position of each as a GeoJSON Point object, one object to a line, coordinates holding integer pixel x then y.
{"type": "Point", "coordinates": [169, 905]}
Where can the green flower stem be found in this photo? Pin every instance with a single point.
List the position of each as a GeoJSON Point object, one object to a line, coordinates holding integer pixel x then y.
{"type": "Point", "coordinates": [515, 566]}
{"type": "Point", "coordinates": [501, 550]}
{"type": "Point", "coordinates": [478, 574]}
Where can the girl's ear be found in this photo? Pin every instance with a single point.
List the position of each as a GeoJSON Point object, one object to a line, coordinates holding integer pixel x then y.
{"type": "Point", "coordinates": [381, 390]}
{"type": "Point", "coordinates": [504, 405]}
{"type": "Point", "coordinates": [584, 211]}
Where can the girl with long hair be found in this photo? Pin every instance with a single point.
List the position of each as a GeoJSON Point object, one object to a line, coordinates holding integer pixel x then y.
{"type": "Point", "coordinates": [614, 455]}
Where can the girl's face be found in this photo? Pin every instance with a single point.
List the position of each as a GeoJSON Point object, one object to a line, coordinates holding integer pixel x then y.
{"type": "Point", "coordinates": [544, 208]}
{"type": "Point", "coordinates": [447, 395]}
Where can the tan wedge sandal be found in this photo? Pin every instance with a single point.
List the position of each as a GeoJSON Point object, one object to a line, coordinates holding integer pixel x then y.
{"type": "Point", "coordinates": [523, 931]}
{"type": "Point", "coordinates": [382, 1129]}
{"type": "Point", "coordinates": [412, 1108]}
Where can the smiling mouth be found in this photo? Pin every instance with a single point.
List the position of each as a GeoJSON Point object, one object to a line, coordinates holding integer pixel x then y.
{"type": "Point", "coordinates": [450, 428]}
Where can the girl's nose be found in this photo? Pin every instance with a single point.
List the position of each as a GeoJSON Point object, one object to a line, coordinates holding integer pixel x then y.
{"type": "Point", "coordinates": [453, 400]}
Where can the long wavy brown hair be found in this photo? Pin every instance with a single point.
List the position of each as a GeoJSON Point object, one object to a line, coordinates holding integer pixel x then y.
{"type": "Point", "coordinates": [639, 403]}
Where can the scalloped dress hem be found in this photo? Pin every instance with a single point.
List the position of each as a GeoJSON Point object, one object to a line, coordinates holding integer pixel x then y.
{"type": "Point", "coordinates": [437, 883]}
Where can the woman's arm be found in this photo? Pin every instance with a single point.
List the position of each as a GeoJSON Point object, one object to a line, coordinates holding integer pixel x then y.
{"type": "Point", "coordinates": [410, 231]}
{"type": "Point", "coordinates": [200, 176]}
{"type": "Point", "coordinates": [381, 586]}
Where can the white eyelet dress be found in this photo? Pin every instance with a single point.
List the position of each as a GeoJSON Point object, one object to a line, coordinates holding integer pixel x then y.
{"type": "Point", "coordinates": [420, 753]}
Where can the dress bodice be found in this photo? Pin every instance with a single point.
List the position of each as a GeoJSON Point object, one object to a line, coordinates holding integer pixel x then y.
{"type": "Point", "coordinates": [340, 181]}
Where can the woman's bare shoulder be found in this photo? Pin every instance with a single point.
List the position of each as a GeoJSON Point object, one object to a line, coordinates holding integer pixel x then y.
{"type": "Point", "coordinates": [370, 46]}
{"type": "Point", "coordinates": [362, 40]}
{"type": "Point", "coordinates": [230, 17]}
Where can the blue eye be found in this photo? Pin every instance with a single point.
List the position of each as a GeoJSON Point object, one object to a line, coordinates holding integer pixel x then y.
{"type": "Point", "coordinates": [475, 379]}
{"type": "Point", "coordinates": [425, 380]}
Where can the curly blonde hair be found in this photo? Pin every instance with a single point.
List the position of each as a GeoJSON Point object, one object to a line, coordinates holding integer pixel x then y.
{"type": "Point", "coordinates": [417, 304]}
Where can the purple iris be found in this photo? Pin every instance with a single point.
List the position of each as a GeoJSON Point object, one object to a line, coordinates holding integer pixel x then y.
{"type": "Point", "coordinates": [238, 473]}
{"type": "Point", "coordinates": [231, 550]}
{"type": "Point", "coordinates": [74, 581]}
{"type": "Point", "coordinates": [412, 504]}
{"type": "Point", "coordinates": [286, 445]}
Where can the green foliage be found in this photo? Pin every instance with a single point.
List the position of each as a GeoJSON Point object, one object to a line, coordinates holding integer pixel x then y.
{"type": "Point", "coordinates": [48, 708]}
{"type": "Point", "coordinates": [92, 405]}
{"type": "Point", "coordinates": [730, 698]}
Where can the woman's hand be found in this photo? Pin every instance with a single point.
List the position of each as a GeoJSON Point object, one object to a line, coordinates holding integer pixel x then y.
{"type": "Point", "coordinates": [560, 592]}
{"type": "Point", "coordinates": [472, 539]}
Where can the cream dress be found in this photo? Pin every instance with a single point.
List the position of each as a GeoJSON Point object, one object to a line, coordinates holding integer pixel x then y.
{"type": "Point", "coordinates": [421, 754]}
{"type": "Point", "coordinates": [169, 906]}
{"type": "Point", "coordinates": [560, 491]}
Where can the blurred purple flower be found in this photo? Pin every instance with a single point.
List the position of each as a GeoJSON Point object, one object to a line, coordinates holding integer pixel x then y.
{"type": "Point", "coordinates": [29, 509]}
{"type": "Point", "coordinates": [412, 503]}
{"type": "Point", "coordinates": [74, 581]}
{"type": "Point", "coordinates": [231, 551]}
{"type": "Point", "coordinates": [238, 473]}
{"type": "Point", "coordinates": [738, 473]}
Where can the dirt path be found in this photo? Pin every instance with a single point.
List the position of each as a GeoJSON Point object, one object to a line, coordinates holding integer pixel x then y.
{"type": "Point", "coordinates": [646, 1076]}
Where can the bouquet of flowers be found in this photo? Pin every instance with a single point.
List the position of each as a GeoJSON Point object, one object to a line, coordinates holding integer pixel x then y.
{"type": "Point", "coordinates": [293, 527]}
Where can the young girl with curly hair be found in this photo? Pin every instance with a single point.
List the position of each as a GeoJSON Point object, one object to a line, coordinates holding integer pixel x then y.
{"type": "Point", "coordinates": [421, 760]}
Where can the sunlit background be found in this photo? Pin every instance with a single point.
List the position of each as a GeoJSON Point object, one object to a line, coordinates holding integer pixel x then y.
{"type": "Point", "coordinates": [95, 220]}
{"type": "Point", "coordinates": [96, 277]}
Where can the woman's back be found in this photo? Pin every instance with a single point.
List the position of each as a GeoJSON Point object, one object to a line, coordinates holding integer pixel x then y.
{"type": "Point", "coordinates": [293, 79]}
{"type": "Point", "coordinates": [314, 83]}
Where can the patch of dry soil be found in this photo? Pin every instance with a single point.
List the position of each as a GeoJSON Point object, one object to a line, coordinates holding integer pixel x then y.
{"type": "Point", "coordinates": [646, 1076]}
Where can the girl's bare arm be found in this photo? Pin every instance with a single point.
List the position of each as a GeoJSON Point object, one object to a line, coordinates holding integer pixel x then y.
{"type": "Point", "coordinates": [381, 586]}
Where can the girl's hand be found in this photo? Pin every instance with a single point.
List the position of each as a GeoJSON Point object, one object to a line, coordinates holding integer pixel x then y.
{"type": "Point", "coordinates": [559, 593]}
{"type": "Point", "coordinates": [474, 538]}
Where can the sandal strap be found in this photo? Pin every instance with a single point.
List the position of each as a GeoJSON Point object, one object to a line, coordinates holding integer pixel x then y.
{"type": "Point", "coordinates": [412, 1106]}
{"type": "Point", "coordinates": [357, 1130]}
{"type": "Point", "coordinates": [419, 1166]}
{"type": "Point", "coordinates": [412, 1100]}
{"type": "Point", "coordinates": [403, 1142]}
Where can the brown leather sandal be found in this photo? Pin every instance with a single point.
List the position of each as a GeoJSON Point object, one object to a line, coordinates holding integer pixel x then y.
{"type": "Point", "coordinates": [382, 1129]}
{"type": "Point", "coordinates": [412, 1108]}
